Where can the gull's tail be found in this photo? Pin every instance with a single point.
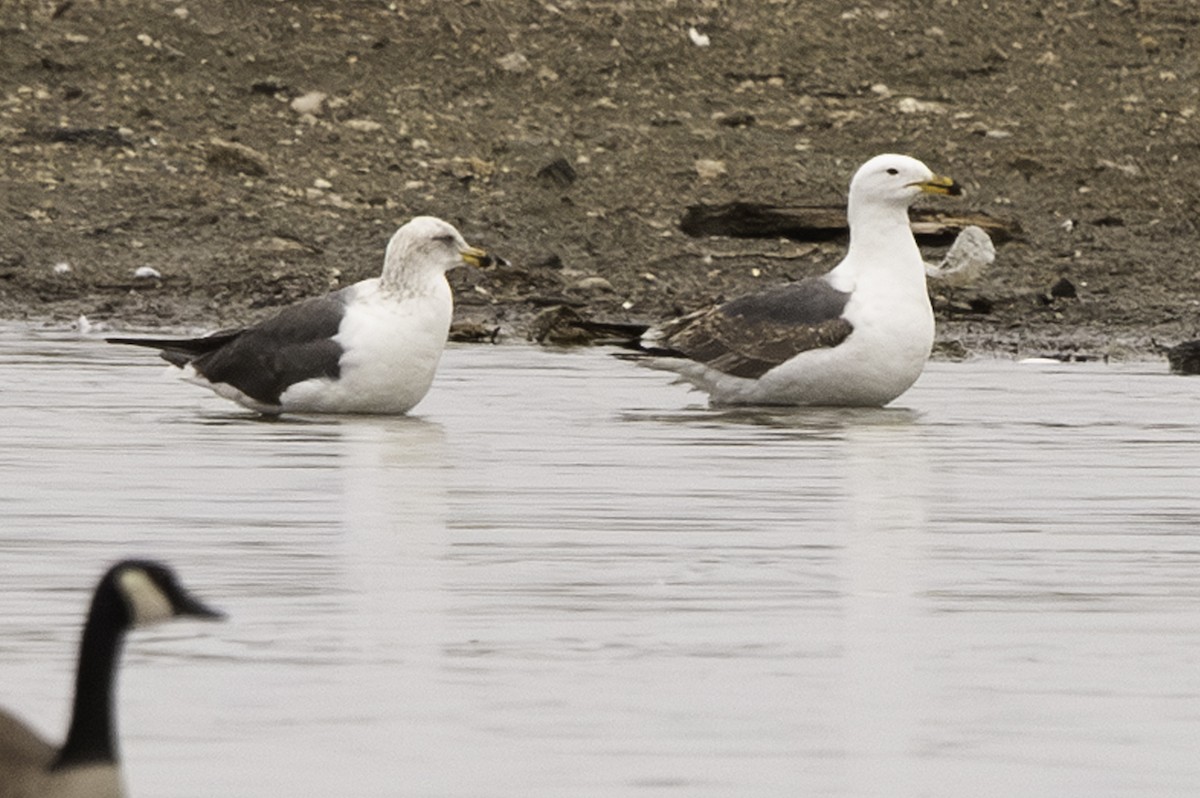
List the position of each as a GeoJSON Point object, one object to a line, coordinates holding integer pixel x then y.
{"type": "Point", "coordinates": [180, 351]}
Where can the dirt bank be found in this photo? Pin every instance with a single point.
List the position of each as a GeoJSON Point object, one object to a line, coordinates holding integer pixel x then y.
{"type": "Point", "coordinates": [254, 153]}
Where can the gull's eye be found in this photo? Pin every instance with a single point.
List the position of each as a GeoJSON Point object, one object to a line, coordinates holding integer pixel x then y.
{"type": "Point", "coordinates": [444, 239]}
{"type": "Point", "coordinates": [893, 171]}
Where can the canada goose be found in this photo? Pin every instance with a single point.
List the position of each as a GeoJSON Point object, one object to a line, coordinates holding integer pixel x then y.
{"type": "Point", "coordinates": [132, 593]}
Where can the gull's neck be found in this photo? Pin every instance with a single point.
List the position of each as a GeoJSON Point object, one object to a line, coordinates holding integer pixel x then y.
{"type": "Point", "coordinates": [401, 280]}
{"type": "Point", "coordinates": [406, 285]}
{"type": "Point", "coordinates": [880, 235]}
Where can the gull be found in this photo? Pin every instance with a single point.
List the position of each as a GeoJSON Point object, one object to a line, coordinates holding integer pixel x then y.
{"type": "Point", "coordinates": [371, 347]}
{"type": "Point", "coordinates": [858, 335]}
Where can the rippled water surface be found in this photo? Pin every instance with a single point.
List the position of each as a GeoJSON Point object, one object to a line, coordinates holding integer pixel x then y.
{"type": "Point", "coordinates": [566, 577]}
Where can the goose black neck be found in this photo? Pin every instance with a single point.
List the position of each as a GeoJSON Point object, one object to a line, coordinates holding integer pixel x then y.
{"type": "Point", "coordinates": [91, 737]}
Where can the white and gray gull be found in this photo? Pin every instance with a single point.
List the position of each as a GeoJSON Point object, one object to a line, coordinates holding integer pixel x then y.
{"type": "Point", "coordinates": [132, 593]}
{"type": "Point", "coordinates": [371, 347]}
{"type": "Point", "coordinates": [858, 335]}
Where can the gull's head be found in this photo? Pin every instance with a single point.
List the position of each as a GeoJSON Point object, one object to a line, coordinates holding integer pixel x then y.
{"type": "Point", "coordinates": [429, 246]}
{"type": "Point", "coordinates": [896, 181]}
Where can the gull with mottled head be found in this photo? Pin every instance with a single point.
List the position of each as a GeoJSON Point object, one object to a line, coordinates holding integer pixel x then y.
{"type": "Point", "coordinates": [372, 347]}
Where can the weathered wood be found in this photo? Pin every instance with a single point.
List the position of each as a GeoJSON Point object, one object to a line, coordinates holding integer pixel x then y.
{"type": "Point", "coordinates": [826, 222]}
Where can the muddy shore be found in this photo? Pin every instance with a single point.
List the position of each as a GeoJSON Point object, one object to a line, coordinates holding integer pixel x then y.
{"type": "Point", "coordinates": [252, 154]}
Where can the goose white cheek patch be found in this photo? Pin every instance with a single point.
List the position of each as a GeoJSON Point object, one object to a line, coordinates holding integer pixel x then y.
{"type": "Point", "coordinates": [147, 602]}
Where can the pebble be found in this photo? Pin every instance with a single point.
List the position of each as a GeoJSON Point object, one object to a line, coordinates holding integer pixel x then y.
{"type": "Point", "coordinates": [310, 103]}
{"type": "Point", "coordinates": [235, 157]}
{"type": "Point", "coordinates": [594, 285]}
{"type": "Point", "coordinates": [513, 62]}
{"type": "Point", "coordinates": [709, 169]}
{"type": "Point", "coordinates": [1064, 289]}
{"type": "Point", "coordinates": [911, 105]}
{"type": "Point", "coordinates": [363, 125]}
{"type": "Point", "coordinates": [559, 172]}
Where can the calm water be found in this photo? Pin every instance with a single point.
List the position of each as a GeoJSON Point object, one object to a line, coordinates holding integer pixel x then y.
{"type": "Point", "coordinates": [566, 577]}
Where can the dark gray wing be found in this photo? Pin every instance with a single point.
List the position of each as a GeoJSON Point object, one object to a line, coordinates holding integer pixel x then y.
{"type": "Point", "coordinates": [295, 345]}
{"type": "Point", "coordinates": [263, 360]}
{"type": "Point", "coordinates": [750, 335]}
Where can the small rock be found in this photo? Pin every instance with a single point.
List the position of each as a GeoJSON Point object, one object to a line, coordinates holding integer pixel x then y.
{"type": "Point", "coordinates": [146, 273]}
{"type": "Point", "coordinates": [911, 105]}
{"type": "Point", "coordinates": [363, 125]}
{"type": "Point", "coordinates": [736, 119]}
{"type": "Point", "coordinates": [1064, 289]}
{"type": "Point", "coordinates": [514, 62]}
{"type": "Point", "coordinates": [595, 285]}
{"type": "Point", "coordinates": [981, 304]}
{"type": "Point", "coordinates": [268, 85]}
{"type": "Point", "coordinates": [238, 158]}
{"type": "Point", "coordinates": [310, 103]}
{"type": "Point", "coordinates": [279, 244]}
{"type": "Point", "coordinates": [709, 169]}
{"type": "Point", "coordinates": [699, 39]}
{"type": "Point", "coordinates": [551, 261]}
{"type": "Point", "coordinates": [559, 172]}
{"type": "Point", "coordinates": [61, 268]}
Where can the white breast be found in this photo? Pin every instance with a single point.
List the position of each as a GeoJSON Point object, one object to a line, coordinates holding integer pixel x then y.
{"type": "Point", "coordinates": [391, 353]}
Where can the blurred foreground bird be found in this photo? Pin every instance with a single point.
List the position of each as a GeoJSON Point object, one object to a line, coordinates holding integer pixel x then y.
{"type": "Point", "coordinates": [132, 593]}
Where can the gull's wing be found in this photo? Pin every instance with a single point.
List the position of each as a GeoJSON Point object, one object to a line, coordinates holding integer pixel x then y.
{"type": "Point", "coordinates": [295, 345]}
{"type": "Point", "coordinates": [261, 361]}
{"type": "Point", "coordinates": [750, 335]}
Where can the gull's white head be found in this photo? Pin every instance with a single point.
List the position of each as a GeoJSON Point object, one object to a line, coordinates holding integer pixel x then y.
{"type": "Point", "coordinates": [896, 181]}
{"type": "Point", "coordinates": [426, 247]}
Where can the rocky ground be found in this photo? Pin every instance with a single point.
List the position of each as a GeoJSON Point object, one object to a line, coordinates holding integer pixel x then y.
{"type": "Point", "coordinates": [252, 153]}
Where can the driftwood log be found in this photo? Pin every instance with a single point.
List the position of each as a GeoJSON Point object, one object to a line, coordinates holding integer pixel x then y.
{"type": "Point", "coordinates": [826, 222]}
